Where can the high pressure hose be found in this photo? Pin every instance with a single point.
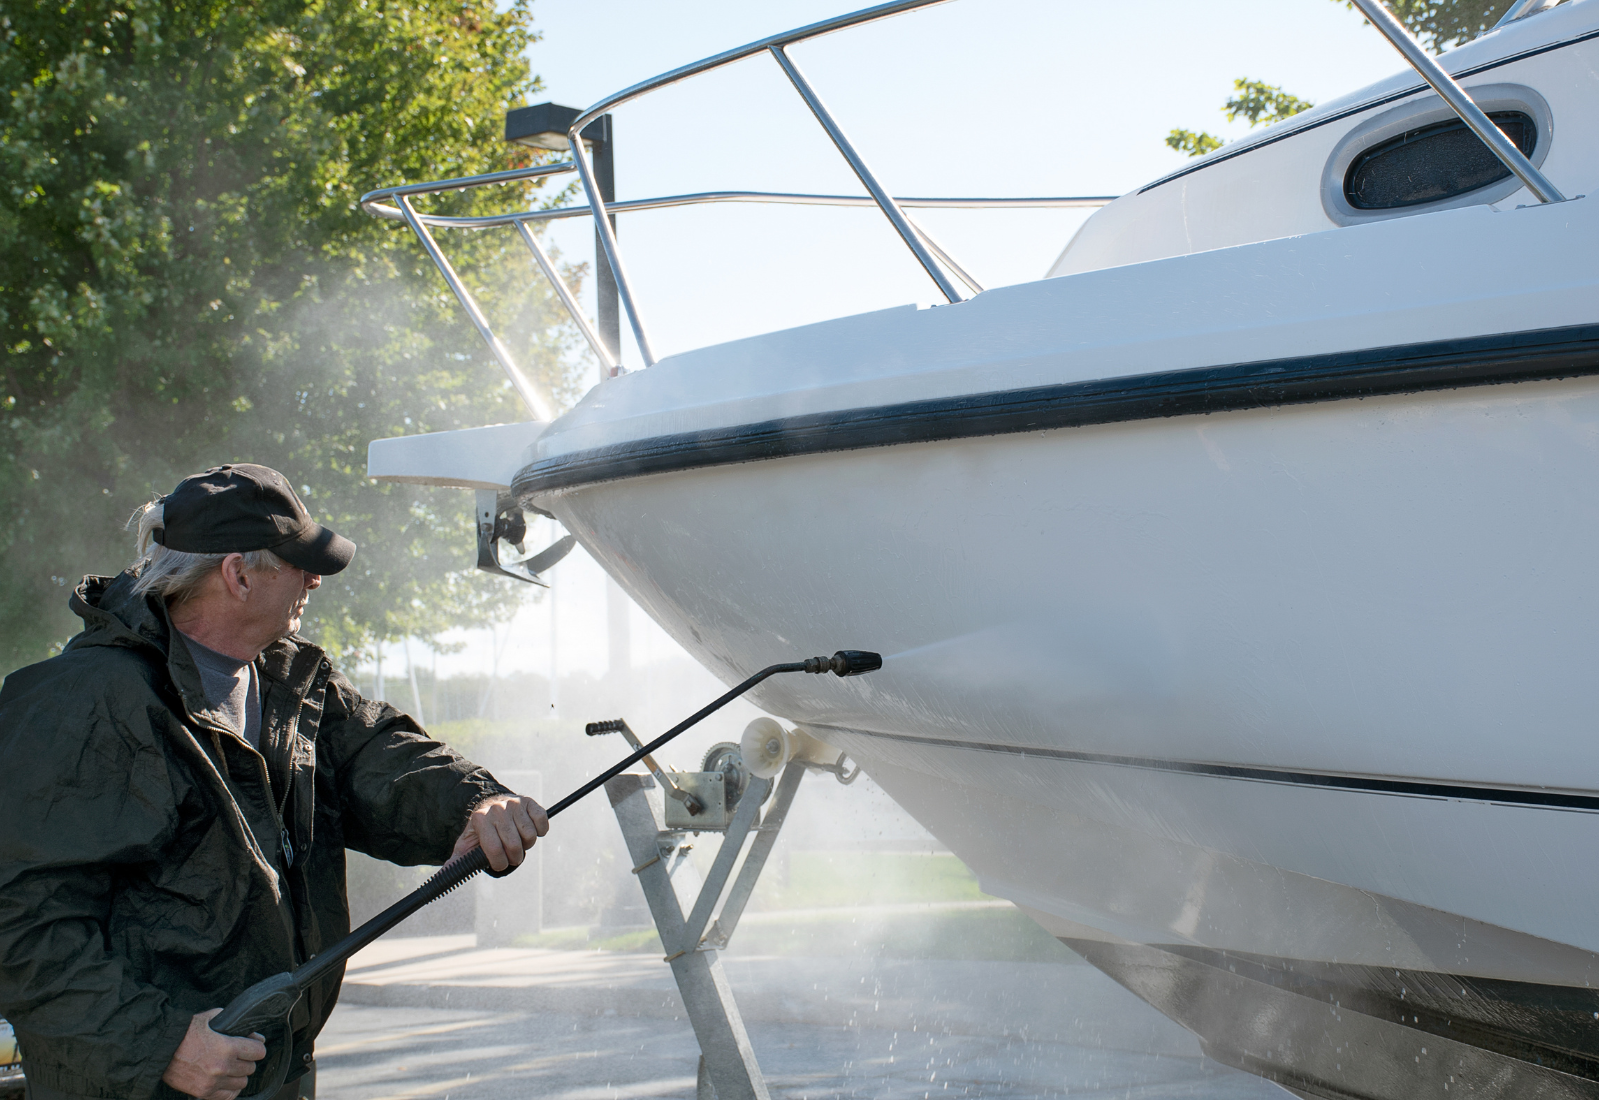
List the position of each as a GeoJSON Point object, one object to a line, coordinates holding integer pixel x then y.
{"type": "Point", "coordinates": [265, 1006]}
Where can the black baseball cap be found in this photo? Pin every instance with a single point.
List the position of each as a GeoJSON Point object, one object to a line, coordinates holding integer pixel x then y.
{"type": "Point", "coordinates": [242, 507]}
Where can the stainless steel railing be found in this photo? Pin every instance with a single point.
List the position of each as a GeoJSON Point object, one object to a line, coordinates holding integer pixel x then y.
{"type": "Point", "coordinates": [935, 260]}
{"type": "Point", "coordinates": [940, 266]}
{"type": "Point", "coordinates": [378, 203]}
{"type": "Point", "coordinates": [402, 208]}
{"type": "Point", "coordinates": [1523, 8]}
{"type": "Point", "coordinates": [776, 46]}
{"type": "Point", "coordinates": [697, 198]}
{"type": "Point", "coordinates": [915, 239]}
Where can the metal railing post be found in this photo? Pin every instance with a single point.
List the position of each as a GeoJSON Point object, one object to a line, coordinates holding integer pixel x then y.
{"type": "Point", "coordinates": [607, 239]}
{"type": "Point", "coordinates": [1453, 94]}
{"type": "Point", "coordinates": [531, 397]}
{"type": "Point", "coordinates": [885, 201]}
{"type": "Point", "coordinates": [573, 310]}
{"type": "Point", "coordinates": [949, 261]}
{"type": "Point", "coordinates": [1523, 8]}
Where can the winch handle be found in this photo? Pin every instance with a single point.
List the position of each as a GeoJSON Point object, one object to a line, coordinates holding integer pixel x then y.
{"type": "Point", "coordinates": [619, 725]}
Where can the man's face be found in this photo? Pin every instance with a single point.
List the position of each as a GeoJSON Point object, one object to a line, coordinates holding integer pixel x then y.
{"type": "Point", "coordinates": [278, 599]}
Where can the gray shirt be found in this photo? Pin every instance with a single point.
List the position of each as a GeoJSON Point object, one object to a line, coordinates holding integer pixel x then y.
{"type": "Point", "coordinates": [231, 687]}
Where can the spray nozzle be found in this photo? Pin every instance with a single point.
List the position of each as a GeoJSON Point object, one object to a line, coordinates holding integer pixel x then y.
{"type": "Point", "coordinates": [846, 662]}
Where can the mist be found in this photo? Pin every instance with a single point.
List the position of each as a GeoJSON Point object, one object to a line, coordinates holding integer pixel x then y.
{"type": "Point", "coordinates": [868, 959]}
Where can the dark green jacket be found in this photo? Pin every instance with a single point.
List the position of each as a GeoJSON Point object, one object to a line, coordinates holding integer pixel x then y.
{"type": "Point", "coordinates": [142, 870]}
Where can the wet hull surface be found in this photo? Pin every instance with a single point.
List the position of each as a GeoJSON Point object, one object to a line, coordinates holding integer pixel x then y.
{"type": "Point", "coordinates": [1303, 687]}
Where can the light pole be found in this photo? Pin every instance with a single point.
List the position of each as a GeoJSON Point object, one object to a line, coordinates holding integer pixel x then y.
{"type": "Point", "coordinates": [545, 126]}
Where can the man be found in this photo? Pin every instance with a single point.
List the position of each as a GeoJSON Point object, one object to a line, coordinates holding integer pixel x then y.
{"type": "Point", "coordinates": [179, 786]}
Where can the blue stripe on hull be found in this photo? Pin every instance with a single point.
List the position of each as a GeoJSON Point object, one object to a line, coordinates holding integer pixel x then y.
{"type": "Point", "coordinates": [1413, 368]}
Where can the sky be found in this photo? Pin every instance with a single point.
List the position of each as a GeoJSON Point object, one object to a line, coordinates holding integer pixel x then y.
{"type": "Point", "coordinates": [968, 98]}
{"type": "Point", "coordinates": [972, 97]}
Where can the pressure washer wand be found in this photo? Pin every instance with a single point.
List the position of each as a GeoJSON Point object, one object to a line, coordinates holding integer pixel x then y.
{"type": "Point", "coordinates": [268, 1002]}
{"type": "Point", "coordinates": [846, 662]}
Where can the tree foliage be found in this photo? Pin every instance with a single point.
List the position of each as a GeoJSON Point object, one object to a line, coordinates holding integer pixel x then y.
{"type": "Point", "coordinates": [1255, 100]}
{"type": "Point", "coordinates": [1438, 24]}
{"type": "Point", "coordinates": [1262, 103]}
{"type": "Point", "coordinates": [1194, 143]}
{"type": "Point", "coordinates": [186, 279]}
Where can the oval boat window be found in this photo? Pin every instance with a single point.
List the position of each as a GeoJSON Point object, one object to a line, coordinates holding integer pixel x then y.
{"type": "Point", "coordinates": [1433, 163]}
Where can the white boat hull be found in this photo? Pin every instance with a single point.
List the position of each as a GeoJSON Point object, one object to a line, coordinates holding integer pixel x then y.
{"type": "Point", "coordinates": [1085, 623]}
{"type": "Point", "coordinates": [1299, 683]}
{"type": "Point", "coordinates": [1298, 674]}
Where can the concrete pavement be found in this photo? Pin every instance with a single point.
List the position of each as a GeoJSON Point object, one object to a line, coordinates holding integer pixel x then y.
{"type": "Point", "coordinates": [370, 1053]}
{"type": "Point", "coordinates": [439, 1017]}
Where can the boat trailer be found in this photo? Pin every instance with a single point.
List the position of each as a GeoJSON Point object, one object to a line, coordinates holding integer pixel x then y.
{"type": "Point", "coordinates": [729, 793]}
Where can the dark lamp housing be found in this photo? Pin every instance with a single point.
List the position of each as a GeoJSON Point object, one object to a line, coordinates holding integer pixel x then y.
{"type": "Point", "coordinates": [545, 126]}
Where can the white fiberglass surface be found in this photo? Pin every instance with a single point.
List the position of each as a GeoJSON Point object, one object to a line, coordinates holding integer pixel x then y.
{"type": "Point", "coordinates": [1274, 189]}
{"type": "Point", "coordinates": [1331, 876]}
{"type": "Point", "coordinates": [1383, 284]}
{"type": "Point", "coordinates": [1391, 587]}
{"type": "Point", "coordinates": [1395, 586]}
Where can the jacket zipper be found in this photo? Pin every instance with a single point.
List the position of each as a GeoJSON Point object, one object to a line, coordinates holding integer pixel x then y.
{"type": "Point", "coordinates": [285, 842]}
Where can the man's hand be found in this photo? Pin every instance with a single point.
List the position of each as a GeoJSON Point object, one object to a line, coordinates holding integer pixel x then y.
{"type": "Point", "coordinates": [209, 1066]}
{"type": "Point", "coordinates": [506, 827]}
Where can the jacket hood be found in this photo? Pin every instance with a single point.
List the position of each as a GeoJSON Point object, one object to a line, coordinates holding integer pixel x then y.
{"type": "Point", "coordinates": [114, 614]}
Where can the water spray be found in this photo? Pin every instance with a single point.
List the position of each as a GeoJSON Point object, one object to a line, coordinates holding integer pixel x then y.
{"type": "Point", "coordinates": [265, 1006]}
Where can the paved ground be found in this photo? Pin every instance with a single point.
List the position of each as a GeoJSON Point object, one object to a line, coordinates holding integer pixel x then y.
{"type": "Point", "coordinates": [436, 1018]}
{"type": "Point", "coordinates": [372, 1053]}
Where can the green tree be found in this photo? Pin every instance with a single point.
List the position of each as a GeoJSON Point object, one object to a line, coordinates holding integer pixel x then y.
{"type": "Point", "coordinates": [186, 279]}
{"type": "Point", "coordinates": [1195, 144]}
{"type": "Point", "coordinates": [1262, 103]}
{"type": "Point", "coordinates": [1255, 100]}
{"type": "Point", "coordinates": [1439, 24]}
